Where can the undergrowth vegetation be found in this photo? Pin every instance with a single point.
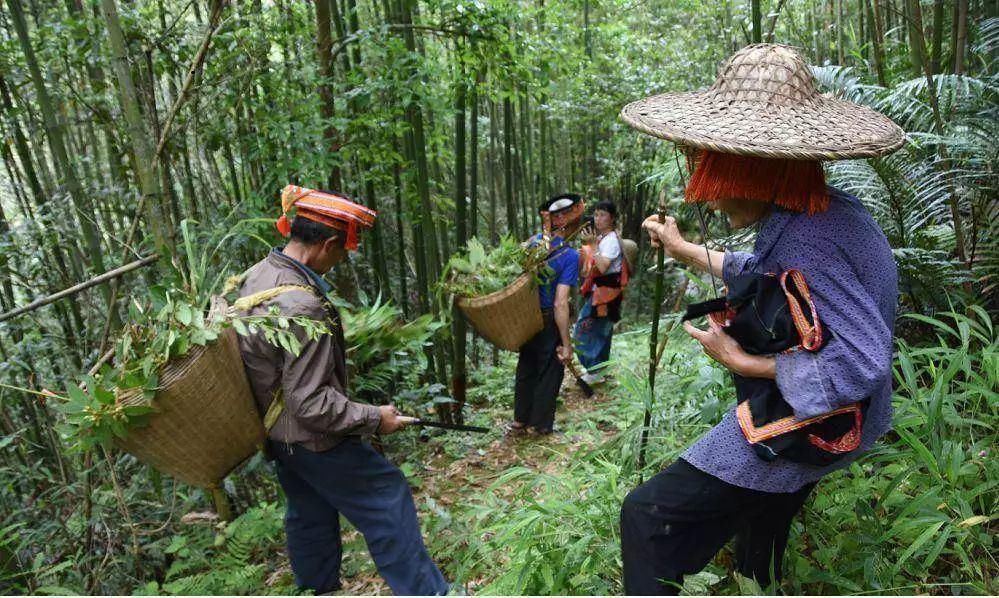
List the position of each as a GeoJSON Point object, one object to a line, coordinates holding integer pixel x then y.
{"type": "Point", "coordinates": [914, 515]}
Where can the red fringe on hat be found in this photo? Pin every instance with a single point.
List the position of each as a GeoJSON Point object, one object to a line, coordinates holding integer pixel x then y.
{"type": "Point", "coordinates": [797, 185]}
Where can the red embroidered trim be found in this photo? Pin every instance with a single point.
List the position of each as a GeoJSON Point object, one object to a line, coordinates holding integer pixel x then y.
{"type": "Point", "coordinates": [791, 423]}
{"type": "Point", "coordinates": [811, 333]}
{"type": "Point", "coordinates": [845, 443]}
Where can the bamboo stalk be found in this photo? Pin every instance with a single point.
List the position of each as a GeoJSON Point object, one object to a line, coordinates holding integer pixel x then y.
{"type": "Point", "coordinates": [657, 307]}
{"type": "Point", "coordinates": [80, 287]}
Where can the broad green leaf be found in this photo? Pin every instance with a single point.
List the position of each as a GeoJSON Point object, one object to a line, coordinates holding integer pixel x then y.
{"type": "Point", "coordinates": [923, 538]}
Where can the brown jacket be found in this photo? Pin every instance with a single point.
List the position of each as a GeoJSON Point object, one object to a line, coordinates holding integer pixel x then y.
{"type": "Point", "coordinates": [317, 413]}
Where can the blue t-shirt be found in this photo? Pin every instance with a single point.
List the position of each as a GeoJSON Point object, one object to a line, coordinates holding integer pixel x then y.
{"type": "Point", "coordinates": [565, 263]}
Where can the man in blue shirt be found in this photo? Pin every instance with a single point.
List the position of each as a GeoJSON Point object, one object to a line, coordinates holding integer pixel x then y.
{"type": "Point", "coordinates": [541, 365]}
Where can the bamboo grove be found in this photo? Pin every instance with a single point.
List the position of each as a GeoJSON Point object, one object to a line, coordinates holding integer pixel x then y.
{"type": "Point", "coordinates": [123, 122]}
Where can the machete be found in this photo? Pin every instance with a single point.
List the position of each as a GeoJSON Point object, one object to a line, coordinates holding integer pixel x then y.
{"type": "Point", "coordinates": [414, 421]}
{"type": "Point", "coordinates": [586, 388]}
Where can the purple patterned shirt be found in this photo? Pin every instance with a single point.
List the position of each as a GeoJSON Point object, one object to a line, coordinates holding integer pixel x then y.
{"type": "Point", "coordinates": [849, 268]}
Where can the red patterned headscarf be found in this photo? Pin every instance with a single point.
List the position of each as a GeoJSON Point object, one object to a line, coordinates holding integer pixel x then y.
{"type": "Point", "coordinates": [331, 209]}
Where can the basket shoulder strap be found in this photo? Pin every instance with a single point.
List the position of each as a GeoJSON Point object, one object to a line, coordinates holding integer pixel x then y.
{"type": "Point", "coordinates": [255, 299]}
{"type": "Point", "coordinates": [274, 410]}
{"type": "Point", "coordinates": [625, 262]}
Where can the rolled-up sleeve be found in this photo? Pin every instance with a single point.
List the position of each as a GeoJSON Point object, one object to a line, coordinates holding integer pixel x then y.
{"type": "Point", "coordinates": [312, 400]}
{"type": "Point", "coordinates": [856, 362]}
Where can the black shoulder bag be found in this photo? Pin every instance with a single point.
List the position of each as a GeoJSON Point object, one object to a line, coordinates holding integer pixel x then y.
{"type": "Point", "coordinates": [768, 314]}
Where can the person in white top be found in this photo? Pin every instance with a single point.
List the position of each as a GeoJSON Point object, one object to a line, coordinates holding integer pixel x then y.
{"type": "Point", "coordinates": [606, 275]}
{"type": "Point", "coordinates": [608, 255]}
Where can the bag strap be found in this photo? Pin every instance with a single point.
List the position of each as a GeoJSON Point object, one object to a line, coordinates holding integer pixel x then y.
{"type": "Point", "coordinates": [849, 441]}
{"type": "Point", "coordinates": [625, 263]}
{"type": "Point", "coordinates": [810, 332]}
{"type": "Point", "coordinates": [696, 310]}
{"type": "Point", "coordinates": [253, 300]}
{"type": "Point", "coordinates": [247, 303]}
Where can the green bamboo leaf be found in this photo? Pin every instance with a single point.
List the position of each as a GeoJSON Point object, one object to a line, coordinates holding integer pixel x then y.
{"type": "Point", "coordinates": [937, 548]}
{"type": "Point", "coordinates": [923, 538]}
{"type": "Point", "coordinates": [920, 448]}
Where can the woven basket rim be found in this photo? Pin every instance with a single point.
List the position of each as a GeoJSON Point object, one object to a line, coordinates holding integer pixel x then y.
{"type": "Point", "coordinates": [766, 103]}
{"type": "Point", "coordinates": [510, 289]}
{"type": "Point", "coordinates": [167, 372]}
{"type": "Point", "coordinates": [175, 368]}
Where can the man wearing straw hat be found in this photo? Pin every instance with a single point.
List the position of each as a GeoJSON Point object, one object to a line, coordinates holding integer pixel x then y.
{"type": "Point", "coordinates": [316, 434]}
{"type": "Point", "coordinates": [540, 364]}
{"type": "Point", "coordinates": [757, 137]}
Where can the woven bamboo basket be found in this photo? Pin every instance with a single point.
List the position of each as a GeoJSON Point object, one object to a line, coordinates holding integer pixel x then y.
{"type": "Point", "coordinates": [506, 318]}
{"type": "Point", "coordinates": [206, 422]}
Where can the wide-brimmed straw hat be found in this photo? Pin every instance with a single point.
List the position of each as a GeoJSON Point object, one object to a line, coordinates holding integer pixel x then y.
{"type": "Point", "coordinates": [766, 103]}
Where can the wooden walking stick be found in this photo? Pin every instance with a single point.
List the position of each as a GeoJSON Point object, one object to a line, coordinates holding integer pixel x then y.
{"type": "Point", "coordinates": [657, 308]}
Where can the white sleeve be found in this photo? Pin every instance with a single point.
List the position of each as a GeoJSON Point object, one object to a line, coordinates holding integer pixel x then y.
{"type": "Point", "coordinates": [609, 247]}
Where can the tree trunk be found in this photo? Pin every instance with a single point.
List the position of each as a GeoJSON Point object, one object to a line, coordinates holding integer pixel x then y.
{"type": "Point", "coordinates": [400, 242]}
{"type": "Point", "coordinates": [493, 171]}
{"type": "Point", "coordinates": [511, 210]}
{"type": "Point", "coordinates": [460, 329]}
{"type": "Point", "coordinates": [21, 144]}
{"type": "Point", "coordinates": [961, 36]}
{"type": "Point", "coordinates": [840, 54]}
{"type": "Point", "coordinates": [163, 162]}
{"type": "Point", "coordinates": [938, 24]}
{"type": "Point", "coordinates": [473, 143]}
{"type": "Point", "coordinates": [326, 77]}
{"type": "Point", "coordinates": [877, 35]}
{"type": "Point", "coordinates": [916, 48]}
{"type": "Point", "coordinates": [757, 21]}
{"type": "Point", "coordinates": [939, 126]}
{"type": "Point", "coordinates": [54, 132]}
{"type": "Point", "coordinates": [142, 146]}
{"type": "Point", "coordinates": [862, 35]}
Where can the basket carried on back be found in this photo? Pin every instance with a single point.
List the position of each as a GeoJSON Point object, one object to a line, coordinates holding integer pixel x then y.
{"type": "Point", "coordinates": [507, 318]}
{"type": "Point", "coordinates": [206, 421]}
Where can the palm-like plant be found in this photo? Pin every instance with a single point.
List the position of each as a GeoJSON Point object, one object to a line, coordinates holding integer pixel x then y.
{"type": "Point", "coordinates": [940, 188]}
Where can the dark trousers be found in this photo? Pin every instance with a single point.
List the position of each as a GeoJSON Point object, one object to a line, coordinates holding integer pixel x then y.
{"type": "Point", "coordinates": [676, 522]}
{"type": "Point", "coordinates": [539, 378]}
{"type": "Point", "coordinates": [352, 479]}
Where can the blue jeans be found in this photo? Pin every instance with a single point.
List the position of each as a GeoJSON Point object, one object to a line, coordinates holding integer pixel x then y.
{"type": "Point", "coordinates": [352, 479]}
{"type": "Point", "coordinates": [593, 337]}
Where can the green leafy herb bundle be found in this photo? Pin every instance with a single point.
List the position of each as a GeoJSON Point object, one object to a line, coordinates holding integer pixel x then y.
{"type": "Point", "coordinates": [167, 328]}
{"type": "Point", "coordinates": [478, 272]}
{"type": "Point", "coordinates": [382, 348]}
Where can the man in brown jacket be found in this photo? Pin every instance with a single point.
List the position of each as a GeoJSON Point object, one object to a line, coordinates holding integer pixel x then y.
{"type": "Point", "coordinates": [324, 463]}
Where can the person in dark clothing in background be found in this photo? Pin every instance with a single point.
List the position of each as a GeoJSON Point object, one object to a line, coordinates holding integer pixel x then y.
{"type": "Point", "coordinates": [541, 364]}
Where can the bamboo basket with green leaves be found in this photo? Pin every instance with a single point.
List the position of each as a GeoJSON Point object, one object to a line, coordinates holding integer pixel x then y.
{"type": "Point", "coordinates": [204, 421]}
{"type": "Point", "coordinates": [497, 291]}
{"type": "Point", "coordinates": [177, 397]}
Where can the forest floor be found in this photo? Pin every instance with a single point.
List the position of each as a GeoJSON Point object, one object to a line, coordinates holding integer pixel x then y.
{"type": "Point", "coordinates": [539, 515]}
{"type": "Point", "coordinates": [457, 485]}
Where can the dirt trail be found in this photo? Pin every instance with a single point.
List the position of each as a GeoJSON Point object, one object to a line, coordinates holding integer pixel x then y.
{"type": "Point", "coordinates": [446, 480]}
